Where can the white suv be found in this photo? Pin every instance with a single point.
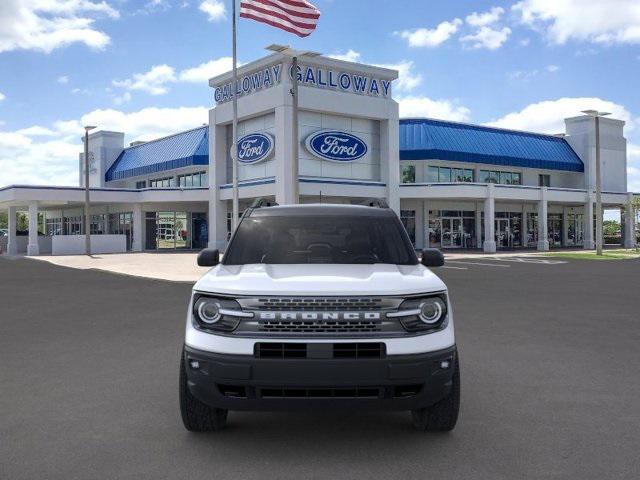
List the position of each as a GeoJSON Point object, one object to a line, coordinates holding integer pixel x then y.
{"type": "Point", "coordinates": [319, 306]}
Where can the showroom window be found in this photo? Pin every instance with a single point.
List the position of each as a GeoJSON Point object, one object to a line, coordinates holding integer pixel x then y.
{"type": "Point", "coordinates": [448, 174]}
{"type": "Point", "coordinates": [503, 178]}
{"type": "Point", "coordinates": [190, 180]}
{"type": "Point", "coordinates": [408, 174]}
{"type": "Point", "coordinates": [162, 182]}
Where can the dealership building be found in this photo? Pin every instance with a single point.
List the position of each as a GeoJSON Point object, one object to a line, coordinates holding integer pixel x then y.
{"type": "Point", "coordinates": [454, 185]}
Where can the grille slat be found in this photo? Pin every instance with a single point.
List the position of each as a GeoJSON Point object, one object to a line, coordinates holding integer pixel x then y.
{"type": "Point", "coordinates": [319, 304]}
{"type": "Point", "coordinates": [345, 392]}
{"type": "Point", "coordinates": [320, 326]}
{"type": "Point", "coordinates": [340, 350]}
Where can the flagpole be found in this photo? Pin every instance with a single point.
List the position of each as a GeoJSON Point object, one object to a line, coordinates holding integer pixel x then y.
{"type": "Point", "coordinates": [294, 132]}
{"type": "Point", "coordinates": [234, 148]}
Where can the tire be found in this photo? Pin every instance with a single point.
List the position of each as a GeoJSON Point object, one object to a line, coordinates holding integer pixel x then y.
{"type": "Point", "coordinates": [198, 416]}
{"type": "Point", "coordinates": [442, 416]}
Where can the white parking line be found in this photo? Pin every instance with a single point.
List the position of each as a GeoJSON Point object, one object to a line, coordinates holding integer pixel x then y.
{"type": "Point", "coordinates": [530, 260]}
{"type": "Point", "coordinates": [478, 263]}
{"type": "Point", "coordinates": [456, 268]}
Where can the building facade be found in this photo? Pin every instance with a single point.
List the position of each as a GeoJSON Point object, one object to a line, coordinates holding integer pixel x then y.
{"type": "Point", "coordinates": [455, 186]}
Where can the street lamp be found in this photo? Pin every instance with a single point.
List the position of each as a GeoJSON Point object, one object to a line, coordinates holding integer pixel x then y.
{"type": "Point", "coordinates": [596, 114]}
{"type": "Point", "coordinates": [294, 54]}
{"type": "Point", "coordinates": [87, 217]}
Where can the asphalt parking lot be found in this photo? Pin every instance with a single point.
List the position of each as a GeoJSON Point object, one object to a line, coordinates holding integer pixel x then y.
{"type": "Point", "coordinates": [550, 384]}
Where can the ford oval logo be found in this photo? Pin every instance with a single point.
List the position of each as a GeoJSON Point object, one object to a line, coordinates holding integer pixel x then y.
{"type": "Point", "coordinates": [336, 146]}
{"type": "Point", "coordinates": [255, 147]}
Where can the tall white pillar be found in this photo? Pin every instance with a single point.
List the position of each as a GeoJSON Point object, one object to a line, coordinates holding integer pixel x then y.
{"type": "Point", "coordinates": [425, 220]}
{"type": "Point", "coordinates": [138, 219]}
{"type": "Point", "coordinates": [284, 155]}
{"type": "Point", "coordinates": [629, 224]}
{"type": "Point", "coordinates": [489, 245]}
{"type": "Point", "coordinates": [218, 208]}
{"type": "Point", "coordinates": [390, 156]}
{"type": "Point", "coordinates": [33, 247]}
{"type": "Point", "coordinates": [478, 225]}
{"type": "Point", "coordinates": [12, 245]}
{"type": "Point", "coordinates": [589, 242]}
{"type": "Point", "coordinates": [565, 226]}
{"type": "Point", "coordinates": [543, 238]}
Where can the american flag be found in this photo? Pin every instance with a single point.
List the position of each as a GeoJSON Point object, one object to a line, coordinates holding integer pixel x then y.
{"type": "Point", "coordinates": [294, 16]}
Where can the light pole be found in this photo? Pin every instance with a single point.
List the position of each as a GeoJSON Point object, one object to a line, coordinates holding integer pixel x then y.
{"type": "Point", "coordinates": [596, 114]}
{"type": "Point", "coordinates": [295, 146]}
{"type": "Point", "coordinates": [87, 217]}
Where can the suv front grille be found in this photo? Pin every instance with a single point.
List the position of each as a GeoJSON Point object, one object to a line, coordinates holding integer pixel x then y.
{"type": "Point", "coordinates": [285, 350]}
{"type": "Point", "coordinates": [319, 304]}
{"type": "Point", "coordinates": [320, 326]}
{"type": "Point", "coordinates": [348, 392]}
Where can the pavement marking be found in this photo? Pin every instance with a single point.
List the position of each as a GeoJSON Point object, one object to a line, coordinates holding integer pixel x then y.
{"type": "Point", "coordinates": [530, 260]}
{"type": "Point", "coordinates": [456, 268]}
{"type": "Point", "coordinates": [478, 263]}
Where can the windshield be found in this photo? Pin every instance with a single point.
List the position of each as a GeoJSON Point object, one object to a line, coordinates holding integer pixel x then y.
{"type": "Point", "coordinates": [342, 239]}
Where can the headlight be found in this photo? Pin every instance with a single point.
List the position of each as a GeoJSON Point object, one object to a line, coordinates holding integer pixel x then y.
{"type": "Point", "coordinates": [213, 313]}
{"type": "Point", "coordinates": [425, 313]}
{"type": "Point", "coordinates": [431, 310]}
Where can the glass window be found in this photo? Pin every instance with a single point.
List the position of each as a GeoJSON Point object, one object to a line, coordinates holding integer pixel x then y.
{"type": "Point", "coordinates": [445, 175]}
{"type": "Point", "coordinates": [544, 180]}
{"type": "Point", "coordinates": [339, 239]}
{"type": "Point", "coordinates": [505, 178]}
{"type": "Point", "coordinates": [204, 179]}
{"type": "Point", "coordinates": [408, 174]}
{"type": "Point", "coordinates": [141, 184]}
{"type": "Point", "coordinates": [408, 218]}
{"type": "Point", "coordinates": [516, 178]}
{"type": "Point", "coordinates": [432, 174]}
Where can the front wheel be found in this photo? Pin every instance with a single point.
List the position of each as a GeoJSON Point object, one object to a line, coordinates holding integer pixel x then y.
{"type": "Point", "coordinates": [442, 416]}
{"type": "Point", "coordinates": [198, 416]}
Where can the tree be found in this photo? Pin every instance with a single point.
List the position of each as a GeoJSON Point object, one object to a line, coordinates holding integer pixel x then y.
{"type": "Point", "coordinates": [3, 220]}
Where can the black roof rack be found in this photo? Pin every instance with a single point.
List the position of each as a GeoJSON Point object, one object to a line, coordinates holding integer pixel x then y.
{"type": "Point", "coordinates": [263, 202]}
{"type": "Point", "coordinates": [376, 202]}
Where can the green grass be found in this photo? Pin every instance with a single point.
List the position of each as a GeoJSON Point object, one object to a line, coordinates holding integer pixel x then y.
{"type": "Point", "coordinates": [591, 255]}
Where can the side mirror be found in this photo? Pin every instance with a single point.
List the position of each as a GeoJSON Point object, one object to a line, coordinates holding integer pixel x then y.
{"type": "Point", "coordinates": [209, 257]}
{"type": "Point", "coordinates": [432, 257]}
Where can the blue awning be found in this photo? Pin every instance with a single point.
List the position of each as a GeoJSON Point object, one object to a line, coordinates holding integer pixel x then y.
{"type": "Point", "coordinates": [183, 149]}
{"type": "Point", "coordinates": [427, 139]}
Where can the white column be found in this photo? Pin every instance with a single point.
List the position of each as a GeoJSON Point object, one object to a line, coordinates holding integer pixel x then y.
{"type": "Point", "coordinates": [218, 209]}
{"type": "Point", "coordinates": [478, 226]}
{"type": "Point", "coordinates": [565, 227]}
{"type": "Point", "coordinates": [629, 224]}
{"type": "Point", "coordinates": [284, 155]}
{"type": "Point", "coordinates": [589, 242]}
{"type": "Point", "coordinates": [489, 245]}
{"type": "Point", "coordinates": [543, 240]}
{"type": "Point", "coordinates": [32, 246]}
{"type": "Point", "coordinates": [390, 160]}
{"type": "Point", "coordinates": [12, 246]}
{"type": "Point", "coordinates": [425, 219]}
{"type": "Point", "coordinates": [138, 220]}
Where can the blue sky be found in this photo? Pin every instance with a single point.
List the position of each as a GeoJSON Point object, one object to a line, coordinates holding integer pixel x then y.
{"type": "Point", "coordinates": [141, 66]}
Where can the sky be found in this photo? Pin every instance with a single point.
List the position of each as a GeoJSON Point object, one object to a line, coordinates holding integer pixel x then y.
{"type": "Point", "coordinates": [141, 66]}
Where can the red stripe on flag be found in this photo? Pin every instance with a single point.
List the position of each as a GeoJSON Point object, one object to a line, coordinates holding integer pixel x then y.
{"type": "Point", "coordinates": [278, 6]}
{"type": "Point", "coordinates": [296, 16]}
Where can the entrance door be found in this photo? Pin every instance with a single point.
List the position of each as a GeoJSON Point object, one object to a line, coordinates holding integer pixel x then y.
{"type": "Point", "coordinates": [451, 232]}
{"type": "Point", "coordinates": [504, 236]}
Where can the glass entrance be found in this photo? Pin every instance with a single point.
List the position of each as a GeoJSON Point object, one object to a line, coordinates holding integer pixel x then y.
{"type": "Point", "coordinates": [452, 233]}
{"type": "Point", "coordinates": [575, 229]}
{"type": "Point", "coordinates": [504, 238]}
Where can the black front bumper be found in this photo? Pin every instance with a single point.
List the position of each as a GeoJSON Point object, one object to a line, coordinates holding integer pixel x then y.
{"type": "Point", "coordinates": [243, 382]}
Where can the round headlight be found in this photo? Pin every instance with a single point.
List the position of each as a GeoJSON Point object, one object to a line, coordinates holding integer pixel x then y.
{"type": "Point", "coordinates": [431, 310]}
{"type": "Point", "coordinates": [208, 310]}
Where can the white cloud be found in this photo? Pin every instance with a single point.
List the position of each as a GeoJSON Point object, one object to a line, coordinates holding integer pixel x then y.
{"type": "Point", "coordinates": [420, 106]}
{"type": "Point", "coordinates": [45, 25]}
{"type": "Point", "coordinates": [48, 155]}
{"type": "Point", "coordinates": [424, 37]}
{"type": "Point", "coordinates": [63, 79]}
{"type": "Point", "coordinates": [525, 42]}
{"type": "Point", "coordinates": [120, 99]}
{"type": "Point", "coordinates": [595, 21]}
{"type": "Point", "coordinates": [526, 75]}
{"type": "Point", "coordinates": [214, 9]}
{"type": "Point", "coordinates": [548, 116]}
{"type": "Point", "coordinates": [349, 56]}
{"type": "Point", "coordinates": [2, 96]}
{"type": "Point", "coordinates": [487, 37]}
{"type": "Point", "coordinates": [154, 81]}
{"type": "Point", "coordinates": [552, 68]}
{"type": "Point", "coordinates": [407, 78]}
{"type": "Point", "coordinates": [203, 72]}
{"type": "Point", "coordinates": [486, 18]}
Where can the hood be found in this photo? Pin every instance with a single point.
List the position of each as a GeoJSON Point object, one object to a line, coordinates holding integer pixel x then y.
{"type": "Point", "coordinates": [318, 279]}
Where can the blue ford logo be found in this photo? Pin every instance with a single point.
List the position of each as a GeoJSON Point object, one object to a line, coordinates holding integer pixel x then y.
{"type": "Point", "coordinates": [255, 147]}
{"type": "Point", "coordinates": [336, 146]}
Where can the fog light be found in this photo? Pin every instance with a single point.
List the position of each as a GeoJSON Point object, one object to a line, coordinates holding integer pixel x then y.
{"type": "Point", "coordinates": [444, 364]}
{"type": "Point", "coordinates": [194, 364]}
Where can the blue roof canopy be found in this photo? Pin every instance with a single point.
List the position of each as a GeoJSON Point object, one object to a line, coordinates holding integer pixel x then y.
{"type": "Point", "coordinates": [427, 139]}
{"type": "Point", "coordinates": [183, 149]}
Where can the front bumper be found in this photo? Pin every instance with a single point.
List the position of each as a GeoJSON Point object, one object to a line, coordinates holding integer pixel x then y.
{"type": "Point", "coordinates": [243, 382]}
